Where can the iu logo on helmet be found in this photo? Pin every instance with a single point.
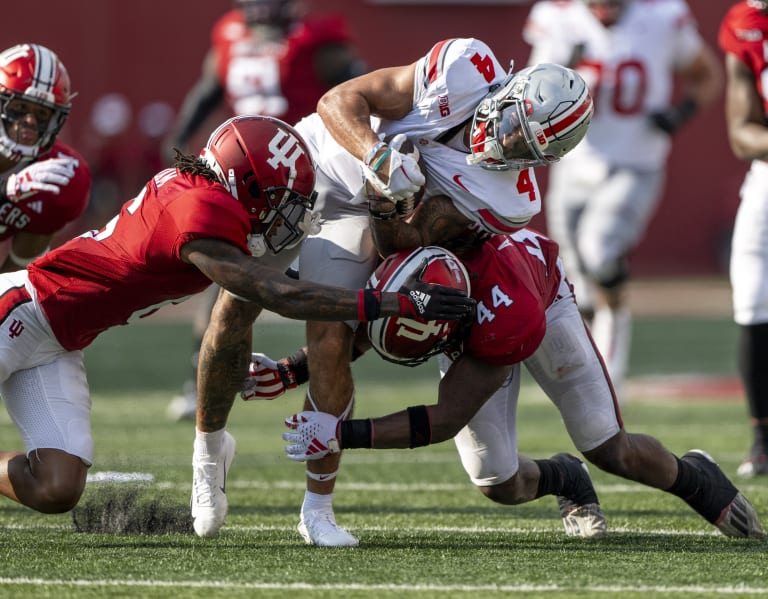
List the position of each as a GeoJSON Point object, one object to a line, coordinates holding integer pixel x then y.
{"type": "Point", "coordinates": [285, 152]}
{"type": "Point", "coordinates": [16, 328]}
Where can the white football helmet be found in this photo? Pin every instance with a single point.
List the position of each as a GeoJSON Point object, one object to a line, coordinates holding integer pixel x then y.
{"type": "Point", "coordinates": [533, 118]}
{"type": "Point", "coordinates": [32, 75]}
{"type": "Point", "coordinates": [407, 341]}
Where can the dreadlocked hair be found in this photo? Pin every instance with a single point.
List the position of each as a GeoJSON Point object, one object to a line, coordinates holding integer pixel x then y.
{"type": "Point", "coordinates": [194, 165]}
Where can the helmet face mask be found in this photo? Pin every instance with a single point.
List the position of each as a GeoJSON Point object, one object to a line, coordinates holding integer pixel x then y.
{"type": "Point", "coordinates": [267, 167]}
{"type": "Point", "coordinates": [406, 341]}
{"type": "Point", "coordinates": [34, 96]}
{"type": "Point", "coordinates": [533, 118]}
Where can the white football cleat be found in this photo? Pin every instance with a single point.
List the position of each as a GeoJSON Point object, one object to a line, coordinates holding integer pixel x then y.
{"type": "Point", "coordinates": [582, 520]}
{"type": "Point", "coordinates": [209, 479]}
{"type": "Point", "coordinates": [319, 528]}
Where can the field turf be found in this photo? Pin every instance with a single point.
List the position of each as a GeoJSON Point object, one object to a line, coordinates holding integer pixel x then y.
{"type": "Point", "coordinates": [424, 530]}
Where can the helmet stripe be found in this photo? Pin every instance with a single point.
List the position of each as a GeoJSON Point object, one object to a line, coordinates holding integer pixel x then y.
{"type": "Point", "coordinates": [45, 70]}
{"type": "Point", "coordinates": [581, 110]}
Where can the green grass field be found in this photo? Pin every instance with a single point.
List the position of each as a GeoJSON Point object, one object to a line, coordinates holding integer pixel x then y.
{"type": "Point", "coordinates": [424, 530]}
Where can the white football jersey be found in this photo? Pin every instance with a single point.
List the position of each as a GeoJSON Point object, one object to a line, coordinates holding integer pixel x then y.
{"type": "Point", "coordinates": [450, 81]}
{"type": "Point", "coordinates": [628, 67]}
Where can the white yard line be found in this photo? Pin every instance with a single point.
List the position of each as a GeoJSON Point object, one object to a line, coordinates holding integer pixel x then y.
{"type": "Point", "coordinates": [373, 588]}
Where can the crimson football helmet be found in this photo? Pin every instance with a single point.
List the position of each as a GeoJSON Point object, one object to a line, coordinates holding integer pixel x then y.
{"type": "Point", "coordinates": [34, 74]}
{"type": "Point", "coordinates": [533, 118]}
{"type": "Point", "coordinates": [407, 341]}
{"type": "Point", "coordinates": [267, 167]}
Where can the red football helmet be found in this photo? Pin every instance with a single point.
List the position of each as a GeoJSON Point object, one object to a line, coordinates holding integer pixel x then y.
{"type": "Point", "coordinates": [266, 165]}
{"type": "Point", "coordinates": [403, 340]}
{"type": "Point", "coordinates": [535, 117]}
{"type": "Point", "coordinates": [34, 74]}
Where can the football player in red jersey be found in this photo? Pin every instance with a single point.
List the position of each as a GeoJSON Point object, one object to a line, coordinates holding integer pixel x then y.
{"type": "Point", "coordinates": [44, 183]}
{"type": "Point", "coordinates": [265, 58]}
{"type": "Point", "coordinates": [744, 38]}
{"type": "Point", "coordinates": [526, 314]}
{"type": "Point", "coordinates": [232, 216]}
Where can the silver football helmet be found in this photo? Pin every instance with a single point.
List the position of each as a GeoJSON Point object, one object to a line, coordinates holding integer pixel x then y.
{"type": "Point", "coordinates": [535, 117]}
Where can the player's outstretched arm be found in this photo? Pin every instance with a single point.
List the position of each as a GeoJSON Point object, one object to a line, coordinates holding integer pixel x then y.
{"type": "Point", "coordinates": [466, 386]}
{"type": "Point", "coordinates": [248, 279]}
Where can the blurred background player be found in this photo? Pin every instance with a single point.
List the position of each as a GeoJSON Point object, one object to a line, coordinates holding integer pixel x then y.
{"type": "Point", "coordinates": [44, 184]}
{"type": "Point", "coordinates": [265, 58]}
{"type": "Point", "coordinates": [601, 197]}
{"type": "Point", "coordinates": [743, 38]}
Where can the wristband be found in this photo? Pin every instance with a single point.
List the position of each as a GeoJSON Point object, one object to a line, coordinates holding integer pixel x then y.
{"type": "Point", "coordinates": [372, 154]}
{"type": "Point", "coordinates": [421, 430]}
{"type": "Point", "coordinates": [356, 434]}
{"type": "Point", "coordinates": [380, 160]}
{"type": "Point", "coordinates": [368, 304]}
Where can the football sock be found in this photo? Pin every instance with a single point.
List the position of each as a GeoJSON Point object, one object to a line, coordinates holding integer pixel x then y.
{"type": "Point", "coordinates": [693, 487]}
{"type": "Point", "coordinates": [208, 445]}
{"type": "Point", "coordinates": [315, 502]}
{"type": "Point", "coordinates": [752, 356]}
{"type": "Point", "coordinates": [552, 478]}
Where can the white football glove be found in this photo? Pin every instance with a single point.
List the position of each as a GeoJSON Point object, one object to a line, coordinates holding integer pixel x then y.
{"type": "Point", "coordinates": [314, 436]}
{"type": "Point", "coordinates": [46, 175]}
{"type": "Point", "coordinates": [265, 380]}
{"type": "Point", "coordinates": [405, 176]}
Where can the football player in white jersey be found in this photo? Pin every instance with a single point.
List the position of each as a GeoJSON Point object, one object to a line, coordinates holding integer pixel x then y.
{"type": "Point", "coordinates": [475, 131]}
{"type": "Point", "coordinates": [601, 197]}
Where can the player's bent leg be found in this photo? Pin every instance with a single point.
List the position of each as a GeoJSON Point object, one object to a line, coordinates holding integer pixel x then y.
{"type": "Point", "coordinates": [564, 476]}
{"type": "Point", "coordinates": [50, 481]}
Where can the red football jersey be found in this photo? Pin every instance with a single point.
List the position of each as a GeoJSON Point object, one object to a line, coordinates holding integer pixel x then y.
{"type": "Point", "coordinates": [744, 33]}
{"type": "Point", "coordinates": [132, 265]}
{"type": "Point", "coordinates": [514, 279]}
{"type": "Point", "coordinates": [44, 213]}
{"type": "Point", "coordinates": [275, 79]}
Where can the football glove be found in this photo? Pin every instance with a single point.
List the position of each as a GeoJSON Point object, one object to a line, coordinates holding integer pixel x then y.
{"type": "Point", "coordinates": [46, 175]}
{"type": "Point", "coordinates": [405, 176]}
{"type": "Point", "coordinates": [267, 379]}
{"type": "Point", "coordinates": [430, 301]}
{"type": "Point", "coordinates": [670, 120]}
{"type": "Point", "coordinates": [313, 436]}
